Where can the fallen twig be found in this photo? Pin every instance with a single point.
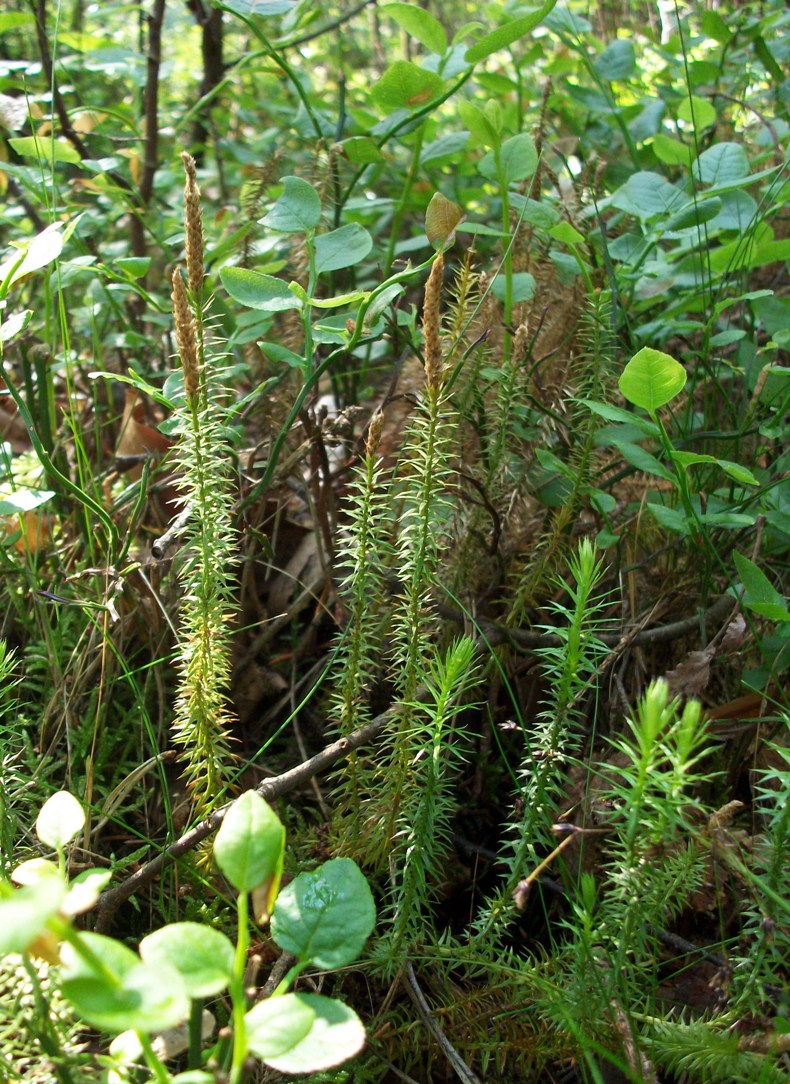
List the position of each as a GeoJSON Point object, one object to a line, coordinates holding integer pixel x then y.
{"type": "Point", "coordinates": [111, 900]}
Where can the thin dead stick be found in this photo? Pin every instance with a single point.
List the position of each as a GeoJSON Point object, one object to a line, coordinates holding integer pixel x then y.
{"type": "Point", "coordinates": [462, 1070]}
{"type": "Point", "coordinates": [111, 900]}
{"type": "Point", "coordinates": [530, 638]}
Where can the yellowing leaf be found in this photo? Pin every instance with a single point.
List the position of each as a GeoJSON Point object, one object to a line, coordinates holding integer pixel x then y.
{"type": "Point", "coordinates": [441, 220]}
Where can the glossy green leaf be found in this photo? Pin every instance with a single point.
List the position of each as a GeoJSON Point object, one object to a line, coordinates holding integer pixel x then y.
{"type": "Point", "coordinates": [507, 34]}
{"type": "Point", "coordinates": [651, 379]}
{"type": "Point", "coordinates": [343, 247]}
{"type": "Point", "coordinates": [24, 500]}
{"type": "Point", "coordinates": [113, 991]}
{"type": "Point", "coordinates": [405, 85]}
{"type": "Point", "coordinates": [258, 291]}
{"type": "Point", "coordinates": [34, 254]}
{"type": "Point", "coordinates": [419, 23]}
{"type": "Point", "coordinates": [334, 1033]}
{"type": "Point", "coordinates": [203, 957]}
{"type": "Point", "coordinates": [250, 843]}
{"type": "Point", "coordinates": [298, 210]}
{"type": "Point", "coordinates": [326, 916]}
{"type": "Point", "coordinates": [59, 820]}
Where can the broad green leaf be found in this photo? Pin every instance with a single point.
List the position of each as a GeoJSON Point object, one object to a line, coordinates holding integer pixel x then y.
{"type": "Point", "coordinates": [342, 247]}
{"type": "Point", "coordinates": [405, 85]}
{"type": "Point", "coordinates": [738, 255]}
{"type": "Point", "coordinates": [203, 957]}
{"type": "Point", "coordinates": [40, 251]}
{"type": "Point", "coordinates": [361, 150]}
{"type": "Point", "coordinates": [617, 414]}
{"type": "Point", "coordinates": [276, 1025]}
{"type": "Point", "coordinates": [723, 163]}
{"type": "Point", "coordinates": [335, 1032]}
{"type": "Point", "coordinates": [133, 266]}
{"type": "Point", "coordinates": [518, 158]}
{"type": "Point", "coordinates": [339, 300]}
{"type": "Point", "coordinates": [643, 460]}
{"type": "Point", "coordinates": [147, 999]}
{"type": "Point", "coordinates": [13, 19]}
{"type": "Point", "coordinates": [259, 7]}
{"type": "Point", "coordinates": [651, 379]}
{"type": "Point", "coordinates": [382, 301]}
{"type": "Point", "coordinates": [507, 34]}
{"type": "Point", "coordinates": [697, 112]}
{"type": "Point", "coordinates": [566, 234]}
{"type": "Point", "coordinates": [648, 195]}
{"type": "Point", "coordinates": [84, 891]}
{"type": "Point", "coordinates": [298, 210]}
{"type": "Point", "coordinates": [446, 146]}
{"type": "Point", "coordinates": [760, 595]}
{"type": "Point", "coordinates": [694, 215]}
{"type": "Point", "coordinates": [478, 123]}
{"type": "Point", "coordinates": [257, 291]}
{"type": "Point", "coordinates": [533, 211]}
{"type": "Point", "coordinates": [715, 27]}
{"type": "Point", "coordinates": [250, 844]}
{"type": "Point", "coordinates": [14, 325]}
{"type": "Point", "coordinates": [671, 151]}
{"type": "Point", "coordinates": [278, 352]}
{"type": "Point", "coordinates": [326, 916]}
{"type": "Point", "coordinates": [670, 518]}
{"type": "Point", "coordinates": [24, 500]}
{"type": "Point", "coordinates": [418, 22]}
{"type": "Point", "coordinates": [734, 470]}
{"type": "Point", "coordinates": [617, 61]}
{"type": "Point", "coordinates": [441, 219]}
{"type": "Point", "coordinates": [25, 912]}
{"type": "Point", "coordinates": [524, 287]}
{"type": "Point", "coordinates": [60, 818]}
{"type": "Point", "coordinates": [46, 150]}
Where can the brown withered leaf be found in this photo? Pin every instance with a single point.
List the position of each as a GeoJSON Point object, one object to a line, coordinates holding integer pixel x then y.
{"type": "Point", "coordinates": [691, 677]}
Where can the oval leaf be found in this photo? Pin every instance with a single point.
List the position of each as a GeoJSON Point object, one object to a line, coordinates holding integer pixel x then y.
{"type": "Point", "coordinates": [258, 291]}
{"type": "Point", "coordinates": [298, 209]}
{"type": "Point", "coordinates": [651, 378]}
{"type": "Point", "coordinates": [203, 957]}
{"type": "Point", "coordinates": [441, 219]}
{"type": "Point", "coordinates": [25, 913]}
{"type": "Point", "coordinates": [250, 843]}
{"type": "Point", "coordinates": [335, 1032]}
{"type": "Point", "coordinates": [507, 34]}
{"type": "Point", "coordinates": [405, 85]}
{"type": "Point", "coordinates": [326, 916]}
{"type": "Point", "coordinates": [421, 24]}
{"type": "Point", "coordinates": [60, 819]}
{"type": "Point", "coordinates": [342, 247]}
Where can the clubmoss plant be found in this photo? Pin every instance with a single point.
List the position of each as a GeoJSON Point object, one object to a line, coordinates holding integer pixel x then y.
{"type": "Point", "coordinates": [209, 555]}
{"type": "Point", "coordinates": [569, 668]}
